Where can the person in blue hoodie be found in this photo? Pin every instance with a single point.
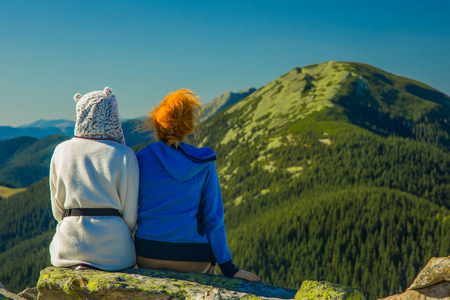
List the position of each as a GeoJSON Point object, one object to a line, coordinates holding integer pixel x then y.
{"type": "Point", "coordinates": [181, 218]}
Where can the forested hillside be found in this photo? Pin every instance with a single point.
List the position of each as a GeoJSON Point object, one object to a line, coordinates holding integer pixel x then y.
{"type": "Point", "coordinates": [358, 209]}
{"type": "Point", "coordinates": [25, 160]}
{"type": "Point", "coordinates": [27, 227]}
{"type": "Point", "coordinates": [337, 172]}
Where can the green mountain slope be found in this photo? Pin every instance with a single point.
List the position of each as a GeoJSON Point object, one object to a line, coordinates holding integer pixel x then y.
{"type": "Point", "coordinates": [27, 160]}
{"type": "Point", "coordinates": [9, 147]}
{"type": "Point", "coordinates": [22, 263]}
{"type": "Point", "coordinates": [369, 180]}
{"type": "Point", "coordinates": [27, 227]}
{"type": "Point", "coordinates": [316, 161]}
{"type": "Point", "coordinates": [344, 236]}
{"type": "Point", "coordinates": [349, 92]}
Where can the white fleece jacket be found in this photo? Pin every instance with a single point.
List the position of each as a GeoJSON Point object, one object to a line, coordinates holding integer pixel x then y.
{"type": "Point", "coordinates": [86, 173]}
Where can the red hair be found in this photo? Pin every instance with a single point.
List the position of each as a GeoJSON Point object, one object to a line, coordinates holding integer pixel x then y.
{"type": "Point", "coordinates": [174, 118]}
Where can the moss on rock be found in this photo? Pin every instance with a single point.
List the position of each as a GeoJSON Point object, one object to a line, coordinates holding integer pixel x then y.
{"type": "Point", "coordinates": [326, 290]}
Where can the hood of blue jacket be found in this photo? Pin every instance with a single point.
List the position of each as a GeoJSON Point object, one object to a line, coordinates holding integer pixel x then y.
{"type": "Point", "coordinates": [186, 161]}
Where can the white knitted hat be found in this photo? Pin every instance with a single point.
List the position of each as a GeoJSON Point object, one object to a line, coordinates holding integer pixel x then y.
{"type": "Point", "coordinates": [98, 116]}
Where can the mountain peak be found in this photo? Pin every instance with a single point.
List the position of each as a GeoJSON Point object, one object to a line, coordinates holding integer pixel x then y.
{"type": "Point", "coordinates": [295, 94]}
{"type": "Point", "coordinates": [364, 95]}
{"type": "Point", "coordinates": [224, 100]}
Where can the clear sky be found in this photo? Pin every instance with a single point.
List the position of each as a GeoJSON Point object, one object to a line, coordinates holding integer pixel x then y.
{"type": "Point", "coordinates": [50, 50]}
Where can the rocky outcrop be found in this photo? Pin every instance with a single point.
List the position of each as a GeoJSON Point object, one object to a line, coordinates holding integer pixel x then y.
{"type": "Point", "coordinates": [62, 283]}
{"type": "Point", "coordinates": [5, 294]}
{"type": "Point", "coordinates": [433, 282]}
{"type": "Point", "coordinates": [29, 294]}
{"type": "Point", "coordinates": [57, 283]}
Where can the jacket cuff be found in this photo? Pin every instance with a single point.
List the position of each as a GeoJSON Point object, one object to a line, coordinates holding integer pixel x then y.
{"type": "Point", "coordinates": [228, 268]}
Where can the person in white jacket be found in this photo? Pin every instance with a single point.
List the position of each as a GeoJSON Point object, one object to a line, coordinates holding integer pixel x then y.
{"type": "Point", "coordinates": [94, 184]}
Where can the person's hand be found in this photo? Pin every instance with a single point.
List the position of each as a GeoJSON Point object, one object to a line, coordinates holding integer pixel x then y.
{"type": "Point", "coordinates": [242, 274]}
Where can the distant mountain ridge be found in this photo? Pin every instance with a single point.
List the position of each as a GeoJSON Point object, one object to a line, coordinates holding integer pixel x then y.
{"type": "Point", "coordinates": [38, 129]}
{"type": "Point", "coordinates": [8, 132]}
{"type": "Point", "coordinates": [223, 101]}
{"type": "Point", "coordinates": [43, 123]}
{"type": "Point", "coordinates": [43, 128]}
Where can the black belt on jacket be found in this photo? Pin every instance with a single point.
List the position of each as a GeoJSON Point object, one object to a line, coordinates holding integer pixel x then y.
{"type": "Point", "coordinates": [91, 212]}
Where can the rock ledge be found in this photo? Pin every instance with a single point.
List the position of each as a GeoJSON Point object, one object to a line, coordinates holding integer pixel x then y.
{"type": "Point", "coordinates": [433, 282]}
{"type": "Point", "coordinates": [61, 283]}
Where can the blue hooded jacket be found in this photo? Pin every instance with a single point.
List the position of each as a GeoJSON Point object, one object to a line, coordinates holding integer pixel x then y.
{"type": "Point", "coordinates": [180, 206]}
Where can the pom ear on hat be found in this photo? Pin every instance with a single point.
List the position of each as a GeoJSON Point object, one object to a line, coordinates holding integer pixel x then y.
{"type": "Point", "coordinates": [77, 97]}
{"type": "Point", "coordinates": [108, 91]}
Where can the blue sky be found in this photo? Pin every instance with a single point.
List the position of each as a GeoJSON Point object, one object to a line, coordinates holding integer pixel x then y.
{"type": "Point", "coordinates": [50, 50]}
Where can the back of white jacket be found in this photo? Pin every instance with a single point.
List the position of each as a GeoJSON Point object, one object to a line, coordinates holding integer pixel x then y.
{"type": "Point", "coordinates": [90, 173]}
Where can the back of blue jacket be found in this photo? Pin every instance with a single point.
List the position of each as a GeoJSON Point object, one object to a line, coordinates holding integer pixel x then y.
{"type": "Point", "coordinates": [180, 200]}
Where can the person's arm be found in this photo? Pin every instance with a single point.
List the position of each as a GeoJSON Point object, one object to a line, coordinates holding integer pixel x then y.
{"type": "Point", "coordinates": [130, 203]}
{"type": "Point", "coordinates": [212, 206]}
{"type": "Point", "coordinates": [57, 206]}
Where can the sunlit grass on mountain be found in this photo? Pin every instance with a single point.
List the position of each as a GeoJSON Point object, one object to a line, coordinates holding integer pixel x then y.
{"type": "Point", "coordinates": [6, 192]}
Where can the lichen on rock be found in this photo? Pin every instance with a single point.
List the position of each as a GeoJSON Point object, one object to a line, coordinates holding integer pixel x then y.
{"type": "Point", "coordinates": [311, 290]}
